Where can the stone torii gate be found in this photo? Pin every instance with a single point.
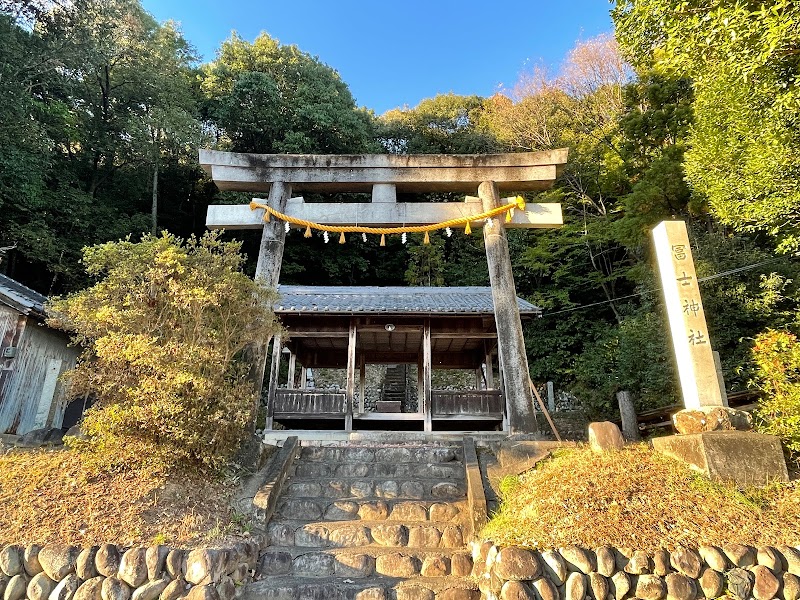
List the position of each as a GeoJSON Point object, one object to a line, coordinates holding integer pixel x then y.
{"type": "Point", "coordinates": [279, 176]}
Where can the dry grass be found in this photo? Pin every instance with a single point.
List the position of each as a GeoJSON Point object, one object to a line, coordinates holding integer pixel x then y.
{"type": "Point", "coordinates": [49, 496]}
{"type": "Point", "coordinates": [638, 499]}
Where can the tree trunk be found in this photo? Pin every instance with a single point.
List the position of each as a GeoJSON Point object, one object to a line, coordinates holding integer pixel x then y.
{"type": "Point", "coordinates": [154, 206]}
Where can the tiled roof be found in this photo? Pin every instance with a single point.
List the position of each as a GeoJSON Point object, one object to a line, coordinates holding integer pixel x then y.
{"type": "Point", "coordinates": [372, 300]}
{"type": "Point", "coordinates": [20, 297]}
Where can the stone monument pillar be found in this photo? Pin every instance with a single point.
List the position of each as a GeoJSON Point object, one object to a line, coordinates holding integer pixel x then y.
{"type": "Point", "coordinates": [687, 320]}
{"type": "Point", "coordinates": [715, 437]}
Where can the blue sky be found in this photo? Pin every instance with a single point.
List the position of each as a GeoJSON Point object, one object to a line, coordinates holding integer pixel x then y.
{"type": "Point", "coordinates": [393, 54]}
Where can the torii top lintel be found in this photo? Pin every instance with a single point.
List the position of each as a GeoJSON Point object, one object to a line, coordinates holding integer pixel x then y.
{"type": "Point", "coordinates": [513, 172]}
{"type": "Point", "coordinates": [384, 175]}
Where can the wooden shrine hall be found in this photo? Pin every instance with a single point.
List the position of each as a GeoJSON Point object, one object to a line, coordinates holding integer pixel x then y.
{"type": "Point", "coordinates": [436, 329]}
{"type": "Point", "coordinates": [352, 327]}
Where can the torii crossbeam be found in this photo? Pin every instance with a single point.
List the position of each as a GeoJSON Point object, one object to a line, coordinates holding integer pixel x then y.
{"type": "Point", "coordinates": [279, 176]}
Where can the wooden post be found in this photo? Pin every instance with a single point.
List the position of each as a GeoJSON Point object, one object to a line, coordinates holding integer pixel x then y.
{"type": "Point", "coordinates": [351, 376]}
{"type": "Point", "coordinates": [268, 271]}
{"type": "Point", "coordinates": [273, 379]}
{"type": "Point", "coordinates": [427, 359]}
{"type": "Point", "coordinates": [303, 377]}
{"type": "Point", "coordinates": [292, 367]}
{"type": "Point", "coordinates": [362, 385]}
{"type": "Point", "coordinates": [519, 398]}
{"type": "Point", "coordinates": [420, 382]}
{"type": "Point", "coordinates": [720, 378]}
{"type": "Point", "coordinates": [501, 385]}
{"type": "Point", "coordinates": [489, 371]}
{"type": "Point", "coordinates": [630, 425]}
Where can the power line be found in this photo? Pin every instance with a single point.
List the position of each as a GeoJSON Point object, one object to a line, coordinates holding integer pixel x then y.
{"type": "Point", "coordinates": [652, 291]}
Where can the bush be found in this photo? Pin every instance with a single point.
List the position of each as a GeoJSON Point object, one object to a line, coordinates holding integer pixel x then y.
{"type": "Point", "coordinates": [633, 356]}
{"type": "Point", "coordinates": [164, 329]}
{"type": "Point", "coordinates": [777, 358]}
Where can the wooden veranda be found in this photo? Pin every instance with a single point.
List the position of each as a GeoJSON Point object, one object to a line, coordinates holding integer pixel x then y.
{"type": "Point", "coordinates": [352, 327]}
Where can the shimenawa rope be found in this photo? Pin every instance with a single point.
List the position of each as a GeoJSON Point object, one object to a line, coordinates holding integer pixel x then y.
{"type": "Point", "coordinates": [508, 209]}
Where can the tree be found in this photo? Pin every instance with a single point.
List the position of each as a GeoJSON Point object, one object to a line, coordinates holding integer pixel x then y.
{"type": "Point", "coordinates": [272, 98]}
{"type": "Point", "coordinates": [744, 60]}
{"type": "Point", "coordinates": [164, 327]}
{"type": "Point", "coordinates": [102, 94]}
{"type": "Point", "coordinates": [169, 104]}
{"type": "Point", "coordinates": [446, 124]}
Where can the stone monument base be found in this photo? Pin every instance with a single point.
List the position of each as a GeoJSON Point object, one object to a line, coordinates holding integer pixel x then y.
{"type": "Point", "coordinates": [711, 418]}
{"type": "Point", "coordinates": [744, 457]}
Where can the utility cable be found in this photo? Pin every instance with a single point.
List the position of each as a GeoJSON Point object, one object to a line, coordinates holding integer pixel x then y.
{"type": "Point", "coordinates": [652, 291]}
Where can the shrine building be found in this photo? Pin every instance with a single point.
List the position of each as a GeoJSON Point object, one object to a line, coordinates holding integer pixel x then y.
{"type": "Point", "coordinates": [475, 329]}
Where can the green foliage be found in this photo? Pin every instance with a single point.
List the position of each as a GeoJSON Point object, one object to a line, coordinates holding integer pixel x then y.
{"type": "Point", "coordinates": [96, 97]}
{"type": "Point", "coordinates": [508, 486]}
{"type": "Point", "coordinates": [426, 261]}
{"type": "Point", "coordinates": [777, 358]}
{"type": "Point", "coordinates": [744, 157]}
{"type": "Point", "coordinates": [741, 305]}
{"type": "Point", "coordinates": [447, 123]}
{"type": "Point", "coordinates": [164, 327]}
{"type": "Point", "coordinates": [268, 97]}
{"type": "Point", "coordinates": [743, 60]}
{"type": "Point", "coordinates": [632, 356]}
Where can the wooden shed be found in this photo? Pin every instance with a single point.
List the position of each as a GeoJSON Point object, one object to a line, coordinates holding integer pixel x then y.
{"type": "Point", "coordinates": [349, 328]}
{"type": "Point", "coordinates": [32, 357]}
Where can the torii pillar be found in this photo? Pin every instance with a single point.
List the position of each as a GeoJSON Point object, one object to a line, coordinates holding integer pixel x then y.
{"type": "Point", "coordinates": [384, 175]}
{"type": "Point", "coordinates": [510, 341]}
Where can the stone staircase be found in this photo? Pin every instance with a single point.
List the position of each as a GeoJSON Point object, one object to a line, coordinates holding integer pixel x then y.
{"type": "Point", "coordinates": [370, 522]}
{"type": "Point", "coordinates": [394, 386]}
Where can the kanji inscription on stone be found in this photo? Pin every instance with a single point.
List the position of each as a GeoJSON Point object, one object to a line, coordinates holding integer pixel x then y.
{"type": "Point", "coordinates": [687, 321]}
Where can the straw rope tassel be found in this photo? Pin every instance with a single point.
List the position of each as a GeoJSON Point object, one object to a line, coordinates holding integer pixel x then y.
{"type": "Point", "coordinates": [427, 239]}
{"type": "Point", "coordinates": [517, 203]}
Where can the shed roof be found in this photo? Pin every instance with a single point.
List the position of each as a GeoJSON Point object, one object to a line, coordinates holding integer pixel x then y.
{"type": "Point", "coordinates": [20, 297]}
{"type": "Point", "coordinates": [391, 300]}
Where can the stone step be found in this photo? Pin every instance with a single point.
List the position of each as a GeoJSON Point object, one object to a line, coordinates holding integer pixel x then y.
{"type": "Point", "coordinates": [321, 509]}
{"type": "Point", "coordinates": [382, 454]}
{"type": "Point", "coordinates": [319, 469]}
{"type": "Point", "coordinates": [360, 563]}
{"type": "Point", "coordinates": [386, 489]}
{"type": "Point", "coordinates": [372, 588]}
{"type": "Point", "coordinates": [350, 534]}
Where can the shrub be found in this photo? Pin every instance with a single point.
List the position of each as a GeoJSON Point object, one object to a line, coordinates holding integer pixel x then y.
{"type": "Point", "coordinates": [777, 358]}
{"type": "Point", "coordinates": [164, 329]}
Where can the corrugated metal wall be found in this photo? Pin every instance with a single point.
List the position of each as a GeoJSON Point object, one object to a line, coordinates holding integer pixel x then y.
{"type": "Point", "coordinates": [32, 396]}
{"type": "Point", "coordinates": [8, 321]}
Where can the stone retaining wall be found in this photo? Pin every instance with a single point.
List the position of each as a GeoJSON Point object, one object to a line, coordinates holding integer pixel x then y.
{"type": "Point", "coordinates": [63, 572]}
{"type": "Point", "coordinates": [615, 574]}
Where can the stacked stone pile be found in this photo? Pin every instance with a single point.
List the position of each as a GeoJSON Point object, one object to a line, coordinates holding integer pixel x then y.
{"type": "Point", "coordinates": [63, 572]}
{"type": "Point", "coordinates": [370, 523]}
{"type": "Point", "coordinates": [615, 574]}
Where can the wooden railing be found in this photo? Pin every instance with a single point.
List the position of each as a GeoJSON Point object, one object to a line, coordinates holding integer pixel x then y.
{"type": "Point", "coordinates": [309, 403]}
{"type": "Point", "coordinates": [484, 403]}
{"type": "Point", "coordinates": [298, 403]}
